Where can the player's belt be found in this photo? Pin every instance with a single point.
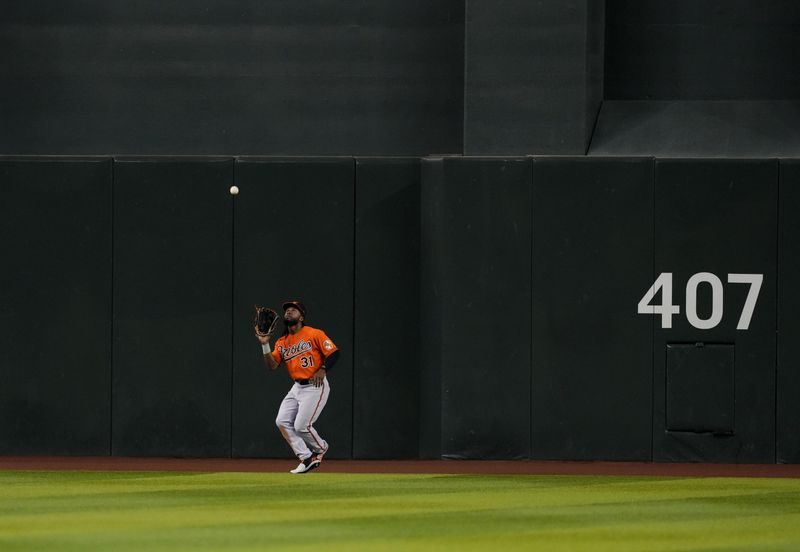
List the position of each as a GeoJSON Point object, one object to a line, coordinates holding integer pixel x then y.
{"type": "Point", "coordinates": [302, 381]}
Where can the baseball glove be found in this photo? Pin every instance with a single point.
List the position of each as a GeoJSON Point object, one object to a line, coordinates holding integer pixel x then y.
{"type": "Point", "coordinates": [266, 318]}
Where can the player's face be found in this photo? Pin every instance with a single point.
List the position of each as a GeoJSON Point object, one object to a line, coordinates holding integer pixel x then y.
{"type": "Point", "coordinates": [292, 315]}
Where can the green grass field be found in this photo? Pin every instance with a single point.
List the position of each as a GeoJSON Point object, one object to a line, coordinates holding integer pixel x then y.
{"type": "Point", "coordinates": [332, 512]}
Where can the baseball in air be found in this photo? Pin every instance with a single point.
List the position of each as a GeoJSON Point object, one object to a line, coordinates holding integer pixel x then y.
{"type": "Point", "coordinates": [234, 190]}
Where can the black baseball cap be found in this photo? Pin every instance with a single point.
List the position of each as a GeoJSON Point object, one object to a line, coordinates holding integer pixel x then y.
{"type": "Point", "coordinates": [296, 304]}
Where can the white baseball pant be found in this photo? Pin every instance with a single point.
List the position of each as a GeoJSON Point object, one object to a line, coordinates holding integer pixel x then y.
{"type": "Point", "coordinates": [299, 410]}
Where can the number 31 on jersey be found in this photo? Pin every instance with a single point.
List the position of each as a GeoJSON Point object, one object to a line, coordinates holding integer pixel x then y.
{"type": "Point", "coordinates": [667, 310]}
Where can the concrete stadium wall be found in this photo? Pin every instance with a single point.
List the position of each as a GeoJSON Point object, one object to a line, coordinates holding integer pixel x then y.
{"type": "Point", "coordinates": [270, 77]}
{"type": "Point", "coordinates": [251, 77]}
{"type": "Point", "coordinates": [547, 307]}
{"type": "Point", "coordinates": [688, 78]}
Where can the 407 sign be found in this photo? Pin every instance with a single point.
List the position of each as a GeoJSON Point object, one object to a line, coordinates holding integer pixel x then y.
{"type": "Point", "coordinates": [667, 309]}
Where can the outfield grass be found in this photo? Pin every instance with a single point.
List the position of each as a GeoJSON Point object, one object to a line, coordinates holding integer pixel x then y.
{"type": "Point", "coordinates": [331, 512]}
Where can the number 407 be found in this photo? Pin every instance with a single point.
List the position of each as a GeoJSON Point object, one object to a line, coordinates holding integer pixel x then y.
{"type": "Point", "coordinates": [666, 309]}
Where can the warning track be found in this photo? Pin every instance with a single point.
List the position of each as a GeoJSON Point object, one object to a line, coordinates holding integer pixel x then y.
{"type": "Point", "coordinates": [500, 467]}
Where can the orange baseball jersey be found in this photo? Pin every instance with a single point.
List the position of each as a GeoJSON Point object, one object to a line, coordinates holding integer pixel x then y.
{"type": "Point", "coordinates": [303, 352]}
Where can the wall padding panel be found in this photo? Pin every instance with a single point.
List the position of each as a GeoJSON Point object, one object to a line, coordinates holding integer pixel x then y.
{"type": "Point", "coordinates": [55, 306]}
{"type": "Point", "coordinates": [714, 219]}
{"type": "Point", "coordinates": [788, 377]}
{"type": "Point", "coordinates": [385, 381]}
{"type": "Point", "coordinates": [432, 247]}
{"type": "Point", "coordinates": [592, 364]}
{"type": "Point", "coordinates": [294, 239]}
{"type": "Point", "coordinates": [172, 307]}
{"type": "Point", "coordinates": [485, 242]}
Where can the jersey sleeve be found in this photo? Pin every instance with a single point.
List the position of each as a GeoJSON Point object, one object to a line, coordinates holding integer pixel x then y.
{"type": "Point", "coordinates": [325, 344]}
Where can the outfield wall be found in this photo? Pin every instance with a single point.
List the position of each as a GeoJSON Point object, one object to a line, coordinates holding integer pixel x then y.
{"type": "Point", "coordinates": [485, 307]}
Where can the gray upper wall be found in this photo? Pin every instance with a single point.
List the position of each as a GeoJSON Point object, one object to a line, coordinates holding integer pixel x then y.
{"type": "Point", "coordinates": [399, 77]}
{"type": "Point", "coordinates": [231, 77]}
{"type": "Point", "coordinates": [702, 50]}
{"type": "Point", "coordinates": [700, 78]}
{"type": "Point", "coordinates": [533, 74]}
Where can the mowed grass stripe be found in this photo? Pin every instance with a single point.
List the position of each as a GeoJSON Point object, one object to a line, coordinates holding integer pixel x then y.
{"type": "Point", "coordinates": [258, 511]}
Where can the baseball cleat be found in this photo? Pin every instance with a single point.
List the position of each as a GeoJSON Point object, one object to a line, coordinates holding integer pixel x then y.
{"type": "Point", "coordinates": [306, 465]}
{"type": "Point", "coordinates": [318, 457]}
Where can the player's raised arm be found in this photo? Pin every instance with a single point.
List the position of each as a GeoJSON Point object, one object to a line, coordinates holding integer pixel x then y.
{"type": "Point", "coordinates": [266, 350]}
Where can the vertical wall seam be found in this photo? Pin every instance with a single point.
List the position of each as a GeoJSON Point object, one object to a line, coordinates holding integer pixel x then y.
{"type": "Point", "coordinates": [233, 302]}
{"type": "Point", "coordinates": [777, 303]}
{"type": "Point", "coordinates": [111, 348]}
{"type": "Point", "coordinates": [531, 182]}
{"type": "Point", "coordinates": [652, 318]}
{"type": "Point", "coordinates": [353, 311]}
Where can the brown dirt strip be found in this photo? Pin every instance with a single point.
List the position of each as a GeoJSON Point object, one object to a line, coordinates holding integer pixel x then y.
{"type": "Point", "coordinates": [503, 467]}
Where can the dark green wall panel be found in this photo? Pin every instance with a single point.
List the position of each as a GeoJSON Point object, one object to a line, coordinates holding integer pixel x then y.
{"type": "Point", "coordinates": [386, 385]}
{"type": "Point", "coordinates": [172, 307]}
{"type": "Point", "coordinates": [485, 294]}
{"type": "Point", "coordinates": [592, 364]}
{"type": "Point", "coordinates": [719, 217]}
{"type": "Point", "coordinates": [55, 306]}
{"type": "Point", "coordinates": [432, 248]}
{"type": "Point", "coordinates": [788, 376]}
{"type": "Point", "coordinates": [294, 239]}
{"type": "Point", "coordinates": [510, 287]}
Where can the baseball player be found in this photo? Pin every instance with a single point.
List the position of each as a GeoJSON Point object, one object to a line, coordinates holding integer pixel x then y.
{"type": "Point", "coordinates": [309, 355]}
